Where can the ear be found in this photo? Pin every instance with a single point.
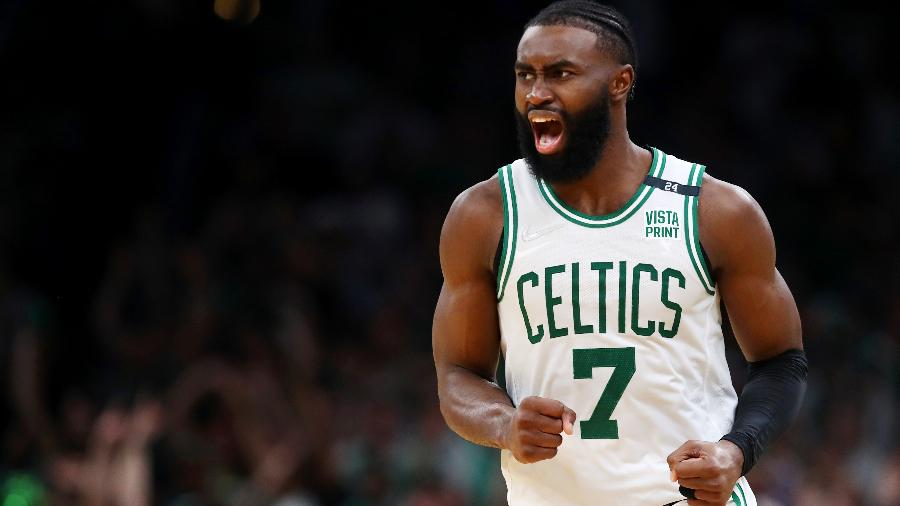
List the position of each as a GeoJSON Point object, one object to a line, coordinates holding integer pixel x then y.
{"type": "Point", "coordinates": [621, 83]}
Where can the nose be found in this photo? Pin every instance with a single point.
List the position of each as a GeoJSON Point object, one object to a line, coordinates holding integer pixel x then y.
{"type": "Point", "coordinates": [540, 94]}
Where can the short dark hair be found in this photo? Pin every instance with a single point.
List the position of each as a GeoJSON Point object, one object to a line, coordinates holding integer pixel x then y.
{"type": "Point", "coordinates": [611, 27]}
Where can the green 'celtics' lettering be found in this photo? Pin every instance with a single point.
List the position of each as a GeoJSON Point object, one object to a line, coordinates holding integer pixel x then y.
{"type": "Point", "coordinates": [520, 286]}
{"type": "Point", "coordinates": [636, 299]}
{"type": "Point", "coordinates": [553, 301]}
{"type": "Point", "coordinates": [601, 268]}
{"type": "Point", "coordinates": [599, 425]}
{"type": "Point", "coordinates": [666, 276]}
{"type": "Point", "coordinates": [643, 321]}
{"type": "Point", "coordinates": [576, 304]}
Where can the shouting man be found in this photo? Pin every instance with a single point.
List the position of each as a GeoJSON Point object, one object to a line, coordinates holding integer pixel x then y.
{"type": "Point", "coordinates": [596, 267]}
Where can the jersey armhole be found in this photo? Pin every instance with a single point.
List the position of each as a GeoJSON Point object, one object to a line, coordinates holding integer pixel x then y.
{"type": "Point", "coordinates": [692, 237]}
{"type": "Point", "coordinates": [495, 266]}
{"type": "Point", "coordinates": [510, 228]}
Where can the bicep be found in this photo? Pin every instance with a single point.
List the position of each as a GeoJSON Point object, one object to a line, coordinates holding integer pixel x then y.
{"type": "Point", "coordinates": [762, 313]}
{"type": "Point", "coordinates": [759, 303]}
{"type": "Point", "coordinates": [465, 332]}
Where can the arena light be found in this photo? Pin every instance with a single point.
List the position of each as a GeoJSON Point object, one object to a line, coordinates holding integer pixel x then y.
{"type": "Point", "coordinates": [237, 11]}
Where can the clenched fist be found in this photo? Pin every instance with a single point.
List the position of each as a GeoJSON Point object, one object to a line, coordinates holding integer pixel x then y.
{"type": "Point", "coordinates": [709, 469]}
{"type": "Point", "coordinates": [534, 431]}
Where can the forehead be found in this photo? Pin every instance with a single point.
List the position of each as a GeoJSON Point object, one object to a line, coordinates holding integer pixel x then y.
{"type": "Point", "coordinates": [546, 44]}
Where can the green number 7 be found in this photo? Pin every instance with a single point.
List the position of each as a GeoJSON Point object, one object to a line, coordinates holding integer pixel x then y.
{"type": "Point", "coordinates": [599, 425]}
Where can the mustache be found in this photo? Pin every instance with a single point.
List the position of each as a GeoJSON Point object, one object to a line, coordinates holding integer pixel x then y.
{"type": "Point", "coordinates": [556, 110]}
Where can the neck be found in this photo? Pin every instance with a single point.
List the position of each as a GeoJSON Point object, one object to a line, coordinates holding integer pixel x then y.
{"type": "Point", "coordinates": [615, 177]}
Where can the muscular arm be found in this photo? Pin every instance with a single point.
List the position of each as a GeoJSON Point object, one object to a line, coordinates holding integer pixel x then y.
{"type": "Point", "coordinates": [737, 237]}
{"type": "Point", "coordinates": [466, 335]}
{"type": "Point", "coordinates": [763, 316]}
{"type": "Point", "coordinates": [466, 340]}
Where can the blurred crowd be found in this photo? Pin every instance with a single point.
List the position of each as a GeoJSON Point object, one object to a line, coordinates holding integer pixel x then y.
{"type": "Point", "coordinates": [263, 361]}
{"type": "Point", "coordinates": [251, 321]}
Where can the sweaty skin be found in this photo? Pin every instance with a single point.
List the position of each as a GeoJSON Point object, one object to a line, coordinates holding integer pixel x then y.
{"type": "Point", "coordinates": [734, 233]}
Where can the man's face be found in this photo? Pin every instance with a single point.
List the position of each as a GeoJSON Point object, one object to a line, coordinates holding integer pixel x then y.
{"type": "Point", "coordinates": [562, 102]}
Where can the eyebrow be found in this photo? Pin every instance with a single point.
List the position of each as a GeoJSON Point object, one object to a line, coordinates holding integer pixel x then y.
{"type": "Point", "coordinates": [553, 66]}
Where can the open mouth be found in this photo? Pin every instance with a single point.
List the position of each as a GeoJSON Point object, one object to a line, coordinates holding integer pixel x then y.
{"type": "Point", "coordinates": [548, 131]}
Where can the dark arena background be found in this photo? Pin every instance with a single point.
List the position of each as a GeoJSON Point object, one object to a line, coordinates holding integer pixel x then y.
{"type": "Point", "coordinates": [218, 238]}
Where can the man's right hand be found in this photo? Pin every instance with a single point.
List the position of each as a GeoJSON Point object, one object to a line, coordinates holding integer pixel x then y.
{"type": "Point", "coordinates": [534, 431]}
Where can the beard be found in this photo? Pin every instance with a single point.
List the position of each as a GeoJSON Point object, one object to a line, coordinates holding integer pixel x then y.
{"type": "Point", "coordinates": [586, 134]}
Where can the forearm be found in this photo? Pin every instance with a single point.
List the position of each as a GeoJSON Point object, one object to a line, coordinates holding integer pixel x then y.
{"type": "Point", "coordinates": [768, 403]}
{"type": "Point", "coordinates": [474, 407]}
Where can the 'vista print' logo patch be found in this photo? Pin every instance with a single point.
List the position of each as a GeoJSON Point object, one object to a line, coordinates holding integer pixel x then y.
{"type": "Point", "coordinates": [661, 224]}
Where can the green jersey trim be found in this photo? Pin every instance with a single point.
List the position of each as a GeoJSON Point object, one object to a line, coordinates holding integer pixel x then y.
{"type": "Point", "coordinates": [691, 237]}
{"type": "Point", "coordinates": [741, 490]}
{"type": "Point", "coordinates": [703, 261]}
{"type": "Point", "coordinates": [510, 228]}
{"type": "Point", "coordinates": [657, 165]}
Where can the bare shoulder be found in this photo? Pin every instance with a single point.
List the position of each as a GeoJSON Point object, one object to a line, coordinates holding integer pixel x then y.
{"type": "Point", "coordinates": [732, 224]}
{"type": "Point", "coordinates": [472, 228]}
{"type": "Point", "coordinates": [726, 202]}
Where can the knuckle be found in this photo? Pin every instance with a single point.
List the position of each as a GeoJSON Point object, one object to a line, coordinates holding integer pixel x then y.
{"type": "Point", "coordinates": [528, 439]}
{"type": "Point", "coordinates": [548, 453]}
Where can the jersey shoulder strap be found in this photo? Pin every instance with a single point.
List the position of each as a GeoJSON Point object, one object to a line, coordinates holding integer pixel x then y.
{"type": "Point", "coordinates": [679, 177]}
{"type": "Point", "coordinates": [510, 227]}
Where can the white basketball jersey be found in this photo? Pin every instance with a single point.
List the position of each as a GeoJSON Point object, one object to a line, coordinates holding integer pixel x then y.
{"type": "Point", "coordinates": [617, 317]}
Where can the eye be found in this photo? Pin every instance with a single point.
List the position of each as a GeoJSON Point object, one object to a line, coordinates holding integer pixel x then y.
{"type": "Point", "coordinates": [525, 76]}
{"type": "Point", "coordinates": [562, 74]}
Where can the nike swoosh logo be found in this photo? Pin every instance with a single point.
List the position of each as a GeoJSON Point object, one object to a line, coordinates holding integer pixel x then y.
{"type": "Point", "coordinates": [531, 234]}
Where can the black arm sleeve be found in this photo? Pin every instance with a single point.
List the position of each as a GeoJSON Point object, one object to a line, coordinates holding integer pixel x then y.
{"type": "Point", "coordinates": [768, 404]}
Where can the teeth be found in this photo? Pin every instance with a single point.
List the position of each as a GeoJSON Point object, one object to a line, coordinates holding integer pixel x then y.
{"type": "Point", "coordinates": [542, 120]}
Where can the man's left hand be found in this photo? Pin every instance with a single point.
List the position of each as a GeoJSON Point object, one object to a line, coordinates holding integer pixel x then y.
{"type": "Point", "coordinates": [710, 469]}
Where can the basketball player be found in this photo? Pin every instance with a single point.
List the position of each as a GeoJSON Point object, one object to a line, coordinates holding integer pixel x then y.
{"type": "Point", "coordinates": [596, 267]}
